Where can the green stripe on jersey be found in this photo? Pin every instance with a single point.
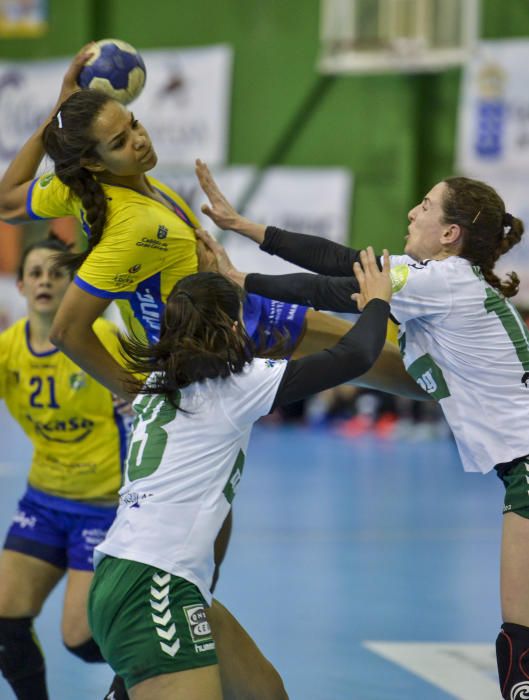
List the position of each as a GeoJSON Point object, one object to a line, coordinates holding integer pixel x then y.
{"type": "Point", "coordinates": [234, 479]}
{"type": "Point", "coordinates": [512, 323]}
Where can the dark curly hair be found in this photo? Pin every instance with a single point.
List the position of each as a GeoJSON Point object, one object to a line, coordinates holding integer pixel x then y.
{"type": "Point", "coordinates": [488, 231]}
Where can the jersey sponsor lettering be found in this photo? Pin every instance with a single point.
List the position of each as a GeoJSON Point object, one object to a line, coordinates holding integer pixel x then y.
{"type": "Point", "coordinates": [72, 430]}
{"type": "Point", "coordinates": [70, 419]}
{"type": "Point", "coordinates": [429, 376]}
{"type": "Point", "coordinates": [198, 625]}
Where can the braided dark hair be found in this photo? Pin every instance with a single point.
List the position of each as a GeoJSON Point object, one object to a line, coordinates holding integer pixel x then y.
{"type": "Point", "coordinates": [68, 140]}
{"type": "Point", "coordinates": [198, 338]}
{"type": "Point", "coordinates": [488, 230]}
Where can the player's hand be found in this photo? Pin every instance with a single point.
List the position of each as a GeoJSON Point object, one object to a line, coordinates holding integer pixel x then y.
{"type": "Point", "coordinates": [374, 283]}
{"type": "Point", "coordinates": [69, 82]}
{"type": "Point", "coordinates": [219, 210]}
{"type": "Point", "coordinates": [207, 262]}
{"type": "Point", "coordinates": [215, 251]}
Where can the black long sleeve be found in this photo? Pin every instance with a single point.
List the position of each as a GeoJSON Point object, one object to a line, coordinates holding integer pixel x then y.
{"type": "Point", "coordinates": [351, 357]}
{"type": "Point", "coordinates": [318, 291]}
{"type": "Point", "coordinates": [310, 252]}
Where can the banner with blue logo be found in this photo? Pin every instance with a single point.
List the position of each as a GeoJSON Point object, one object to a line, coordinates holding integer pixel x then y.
{"type": "Point", "coordinates": [494, 110]}
{"type": "Point", "coordinates": [493, 138]}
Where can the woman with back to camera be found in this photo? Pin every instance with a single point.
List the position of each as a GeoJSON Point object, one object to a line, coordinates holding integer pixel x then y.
{"type": "Point", "coordinates": [461, 339]}
{"type": "Point", "coordinates": [78, 434]}
{"type": "Point", "coordinates": [206, 388]}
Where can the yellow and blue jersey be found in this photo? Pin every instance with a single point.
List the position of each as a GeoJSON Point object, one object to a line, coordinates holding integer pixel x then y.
{"type": "Point", "coordinates": [144, 250]}
{"type": "Point", "coordinates": [78, 435]}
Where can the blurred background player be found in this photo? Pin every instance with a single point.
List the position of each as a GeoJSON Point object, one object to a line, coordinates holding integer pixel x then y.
{"type": "Point", "coordinates": [79, 438]}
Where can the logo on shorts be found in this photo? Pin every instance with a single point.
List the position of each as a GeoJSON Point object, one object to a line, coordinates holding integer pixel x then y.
{"type": "Point", "coordinates": [199, 628]}
{"type": "Point", "coordinates": [163, 623]}
{"type": "Point", "coordinates": [520, 691]}
{"type": "Point", "coordinates": [24, 520]}
{"type": "Point", "coordinates": [162, 232]}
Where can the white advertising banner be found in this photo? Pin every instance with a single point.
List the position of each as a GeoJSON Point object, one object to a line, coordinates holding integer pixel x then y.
{"type": "Point", "coordinates": [493, 139]}
{"type": "Point", "coordinates": [494, 110]}
{"type": "Point", "coordinates": [305, 200]}
{"type": "Point", "coordinates": [184, 106]}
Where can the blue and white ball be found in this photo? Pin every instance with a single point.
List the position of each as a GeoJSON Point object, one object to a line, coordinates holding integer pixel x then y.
{"type": "Point", "coordinates": [115, 68]}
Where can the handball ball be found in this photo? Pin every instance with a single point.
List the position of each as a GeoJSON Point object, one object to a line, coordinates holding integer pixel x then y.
{"type": "Point", "coordinates": [116, 68]}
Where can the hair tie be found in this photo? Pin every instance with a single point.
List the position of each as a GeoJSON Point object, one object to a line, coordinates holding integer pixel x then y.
{"type": "Point", "coordinates": [59, 119]}
{"type": "Point", "coordinates": [507, 223]}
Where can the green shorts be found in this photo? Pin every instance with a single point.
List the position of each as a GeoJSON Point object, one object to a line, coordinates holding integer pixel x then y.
{"type": "Point", "coordinates": [148, 622]}
{"type": "Point", "coordinates": [515, 477]}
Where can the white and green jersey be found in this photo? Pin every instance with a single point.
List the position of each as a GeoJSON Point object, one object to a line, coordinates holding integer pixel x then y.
{"type": "Point", "coordinates": [466, 345]}
{"type": "Point", "coordinates": [183, 469]}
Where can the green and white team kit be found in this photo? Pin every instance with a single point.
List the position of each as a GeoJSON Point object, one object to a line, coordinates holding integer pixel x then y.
{"type": "Point", "coordinates": [184, 464]}
{"type": "Point", "coordinates": [467, 346]}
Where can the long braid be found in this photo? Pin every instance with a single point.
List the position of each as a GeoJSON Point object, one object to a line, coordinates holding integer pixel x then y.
{"type": "Point", "coordinates": [69, 142]}
{"type": "Point", "coordinates": [92, 196]}
{"type": "Point", "coordinates": [511, 237]}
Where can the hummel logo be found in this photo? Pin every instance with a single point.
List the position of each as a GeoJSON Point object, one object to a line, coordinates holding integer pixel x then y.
{"type": "Point", "coordinates": [162, 620]}
{"type": "Point", "coordinates": [520, 691]}
{"type": "Point", "coordinates": [164, 617]}
{"type": "Point", "coordinates": [161, 580]}
{"type": "Point", "coordinates": [159, 594]}
{"type": "Point", "coordinates": [171, 650]}
{"type": "Point", "coordinates": [160, 607]}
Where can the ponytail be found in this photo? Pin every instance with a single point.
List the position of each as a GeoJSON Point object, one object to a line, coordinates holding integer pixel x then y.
{"type": "Point", "coordinates": [488, 230]}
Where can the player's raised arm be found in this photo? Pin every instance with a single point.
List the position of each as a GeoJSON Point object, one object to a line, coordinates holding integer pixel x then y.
{"type": "Point", "coordinates": [313, 253]}
{"type": "Point", "coordinates": [15, 183]}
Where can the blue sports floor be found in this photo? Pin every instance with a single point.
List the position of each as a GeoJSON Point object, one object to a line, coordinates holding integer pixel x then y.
{"type": "Point", "coordinates": [365, 570]}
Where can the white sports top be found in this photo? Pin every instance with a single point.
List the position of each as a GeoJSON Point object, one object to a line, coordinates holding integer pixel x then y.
{"type": "Point", "coordinates": [466, 345]}
{"type": "Point", "coordinates": [183, 470]}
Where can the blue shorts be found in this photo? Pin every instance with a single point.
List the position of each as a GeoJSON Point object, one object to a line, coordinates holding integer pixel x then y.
{"type": "Point", "coordinates": [58, 530]}
{"type": "Point", "coordinates": [264, 316]}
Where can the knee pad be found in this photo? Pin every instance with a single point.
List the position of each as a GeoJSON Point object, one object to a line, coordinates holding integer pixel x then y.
{"type": "Point", "coordinates": [87, 651]}
{"type": "Point", "coordinates": [512, 654]}
{"type": "Point", "coordinates": [21, 658]}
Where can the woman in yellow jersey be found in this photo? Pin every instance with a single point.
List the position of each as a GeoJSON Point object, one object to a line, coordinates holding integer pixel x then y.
{"type": "Point", "coordinates": [79, 440]}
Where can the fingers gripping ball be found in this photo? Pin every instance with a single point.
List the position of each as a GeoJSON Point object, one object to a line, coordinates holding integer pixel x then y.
{"type": "Point", "coordinates": [115, 68]}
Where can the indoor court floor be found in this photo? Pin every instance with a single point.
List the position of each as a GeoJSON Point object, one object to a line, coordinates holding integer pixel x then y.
{"type": "Point", "coordinates": [365, 569]}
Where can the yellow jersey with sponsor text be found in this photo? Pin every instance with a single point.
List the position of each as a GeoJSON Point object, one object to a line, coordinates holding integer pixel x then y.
{"type": "Point", "coordinates": [145, 249]}
{"type": "Point", "coordinates": [78, 435]}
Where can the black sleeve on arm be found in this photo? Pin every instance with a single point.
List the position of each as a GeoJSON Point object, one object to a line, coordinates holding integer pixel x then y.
{"type": "Point", "coordinates": [310, 252]}
{"type": "Point", "coordinates": [318, 291]}
{"type": "Point", "coordinates": [352, 356]}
